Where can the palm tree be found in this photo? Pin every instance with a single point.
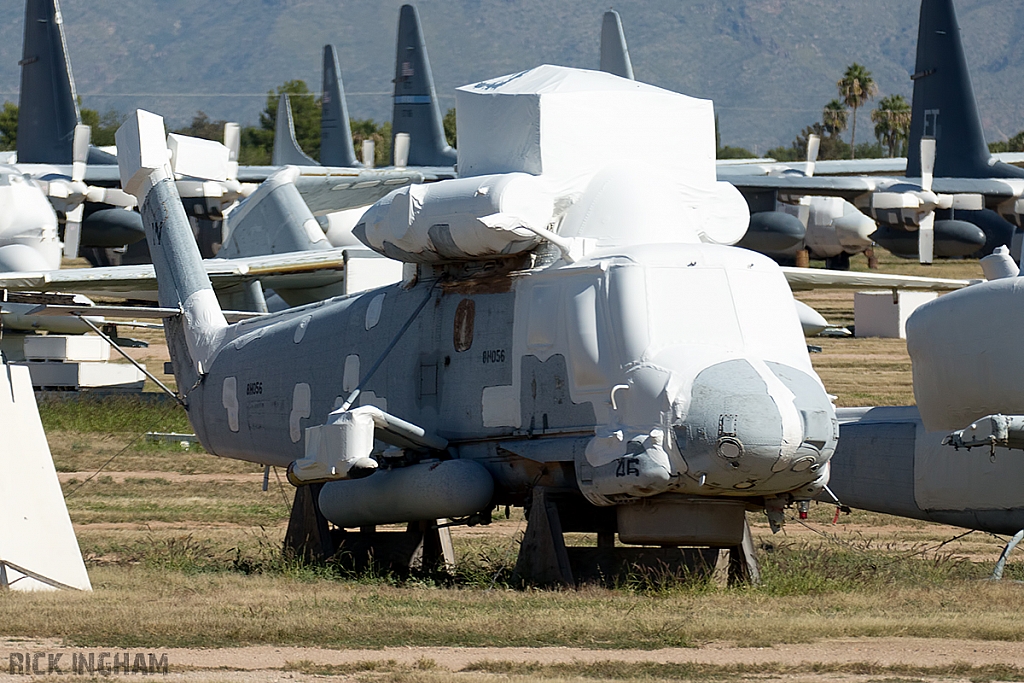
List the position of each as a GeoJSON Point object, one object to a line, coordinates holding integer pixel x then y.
{"type": "Point", "coordinates": [834, 118]}
{"type": "Point", "coordinates": [855, 88]}
{"type": "Point", "coordinates": [892, 122]}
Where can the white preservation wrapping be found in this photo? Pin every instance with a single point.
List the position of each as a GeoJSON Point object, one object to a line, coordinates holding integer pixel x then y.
{"type": "Point", "coordinates": [568, 124]}
{"type": "Point", "coordinates": [334, 448]}
{"type": "Point", "coordinates": [965, 350]}
{"type": "Point", "coordinates": [458, 220]}
{"type": "Point", "coordinates": [198, 158]}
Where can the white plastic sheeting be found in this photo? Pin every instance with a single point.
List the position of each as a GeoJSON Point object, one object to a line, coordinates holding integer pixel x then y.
{"type": "Point", "coordinates": [585, 132]}
{"type": "Point", "coordinates": [570, 123]}
{"type": "Point", "coordinates": [28, 226]}
{"type": "Point", "coordinates": [461, 219]}
{"type": "Point", "coordinates": [606, 159]}
{"type": "Point", "coordinates": [965, 349]}
{"type": "Point", "coordinates": [334, 448]}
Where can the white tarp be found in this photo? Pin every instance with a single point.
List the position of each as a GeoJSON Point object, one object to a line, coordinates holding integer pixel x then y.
{"type": "Point", "coordinates": [457, 220]}
{"type": "Point", "coordinates": [570, 123]}
{"type": "Point", "coordinates": [965, 350]}
{"type": "Point", "coordinates": [35, 529]}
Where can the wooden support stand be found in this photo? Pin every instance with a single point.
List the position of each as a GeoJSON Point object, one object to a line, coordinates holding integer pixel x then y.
{"type": "Point", "coordinates": [423, 546]}
{"type": "Point", "coordinates": [545, 560]}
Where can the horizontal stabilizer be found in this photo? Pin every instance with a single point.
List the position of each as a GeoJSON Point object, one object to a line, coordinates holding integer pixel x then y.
{"type": "Point", "coordinates": [144, 312]}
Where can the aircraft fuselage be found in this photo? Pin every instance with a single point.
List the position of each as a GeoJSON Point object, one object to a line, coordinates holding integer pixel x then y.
{"type": "Point", "coordinates": [641, 370]}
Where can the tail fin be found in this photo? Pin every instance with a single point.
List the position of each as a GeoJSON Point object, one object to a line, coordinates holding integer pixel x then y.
{"type": "Point", "coordinates": [944, 105]}
{"type": "Point", "coordinates": [48, 108]}
{"type": "Point", "coordinates": [416, 111]}
{"type": "Point", "coordinates": [273, 220]}
{"type": "Point", "coordinates": [181, 278]}
{"type": "Point", "coordinates": [336, 147]}
{"type": "Point", "coordinates": [614, 53]}
{"type": "Point", "coordinates": [286, 148]}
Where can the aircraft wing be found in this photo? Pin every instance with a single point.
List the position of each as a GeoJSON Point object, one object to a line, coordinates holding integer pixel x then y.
{"type": "Point", "coordinates": [295, 270]}
{"type": "Point", "coordinates": [95, 174]}
{"type": "Point", "coordinates": [994, 190]}
{"type": "Point", "coordinates": [801, 279]}
{"type": "Point", "coordinates": [830, 167]}
{"type": "Point", "coordinates": [326, 190]}
{"type": "Point", "coordinates": [833, 186]}
{"type": "Point", "coordinates": [1015, 158]}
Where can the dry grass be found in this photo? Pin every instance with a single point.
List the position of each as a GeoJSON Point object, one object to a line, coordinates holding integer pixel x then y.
{"type": "Point", "coordinates": [145, 606]}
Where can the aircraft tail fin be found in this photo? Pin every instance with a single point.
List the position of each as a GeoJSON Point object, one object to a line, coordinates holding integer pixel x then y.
{"type": "Point", "coordinates": [944, 105]}
{"type": "Point", "coordinates": [182, 280]}
{"type": "Point", "coordinates": [614, 53]}
{"type": "Point", "coordinates": [286, 147]}
{"type": "Point", "coordinates": [48, 107]}
{"type": "Point", "coordinates": [336, 147]}
{"type": "Point", "coordinates": [273, 220]}
{"type": "Point", "coordinates": [416, 111]}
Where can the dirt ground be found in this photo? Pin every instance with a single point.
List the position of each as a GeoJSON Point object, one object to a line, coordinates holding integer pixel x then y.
{"type": "Point", "coordinates": [266, 663]}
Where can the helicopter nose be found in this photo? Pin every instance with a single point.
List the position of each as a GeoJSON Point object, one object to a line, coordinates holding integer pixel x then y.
{"type": "Point", "coordinates": [756, 427]}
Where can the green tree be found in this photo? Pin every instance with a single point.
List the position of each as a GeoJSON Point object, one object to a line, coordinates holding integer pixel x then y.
{"type": "Point", "coordinates": [449, 127]}
{"type": "Point", "coordinates": [1014, 144]}
{"type": "Point", "coordinates": [832, 146]}
{"type": "Point", "coordinates": [834, 118]}
{"type": "Point", "coordinates": [103, 127]}
{"type": "Point", "coordinates": [255, 146]}
{"type": "Point", "coordinates": [9, 126]}
{"type": "Point", "coordinates": [380, 133]}
{"type": "Point", "coordinates": [305, 115]}
{"type": "Point", "coordinates": [892, 123]}
{"type": "Point", "coordinates": [203, 127]}
{"type": "Point", "coordinates": [855, 88]}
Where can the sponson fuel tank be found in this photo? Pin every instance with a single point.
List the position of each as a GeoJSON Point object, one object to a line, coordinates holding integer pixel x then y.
{"type": "Point", "coordinates": [426, 491]}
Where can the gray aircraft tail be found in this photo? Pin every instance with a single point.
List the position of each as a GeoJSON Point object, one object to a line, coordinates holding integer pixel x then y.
{"type": "Point", "coordinates": [944, 105]}
{"type": "Point", "coordinates": [48, 108]}
{"type": "Point", "coordinates": [273, 220]}
{"type": "Point", "coordinates": [336, 147]}
{"type": "Point", "coordinates": [415, 108]}
{"type": "Point", "coordinates": [286, 147]}
{"type": "Point", "coordinates": [614, 53]}
{"type": "Point", "coordinates": [195, 336]}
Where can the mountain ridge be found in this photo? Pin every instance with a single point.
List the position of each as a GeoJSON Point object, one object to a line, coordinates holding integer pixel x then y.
{"type": "Point", "coordinates": [769, 65]}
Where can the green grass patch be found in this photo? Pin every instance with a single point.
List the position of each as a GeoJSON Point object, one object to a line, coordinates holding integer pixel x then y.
{"type": "Point", "coordinates": [131, 413]}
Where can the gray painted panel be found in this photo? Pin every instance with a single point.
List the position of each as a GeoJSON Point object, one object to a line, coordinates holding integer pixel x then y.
{"type": "Point", "coordinates": [873, 467]}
